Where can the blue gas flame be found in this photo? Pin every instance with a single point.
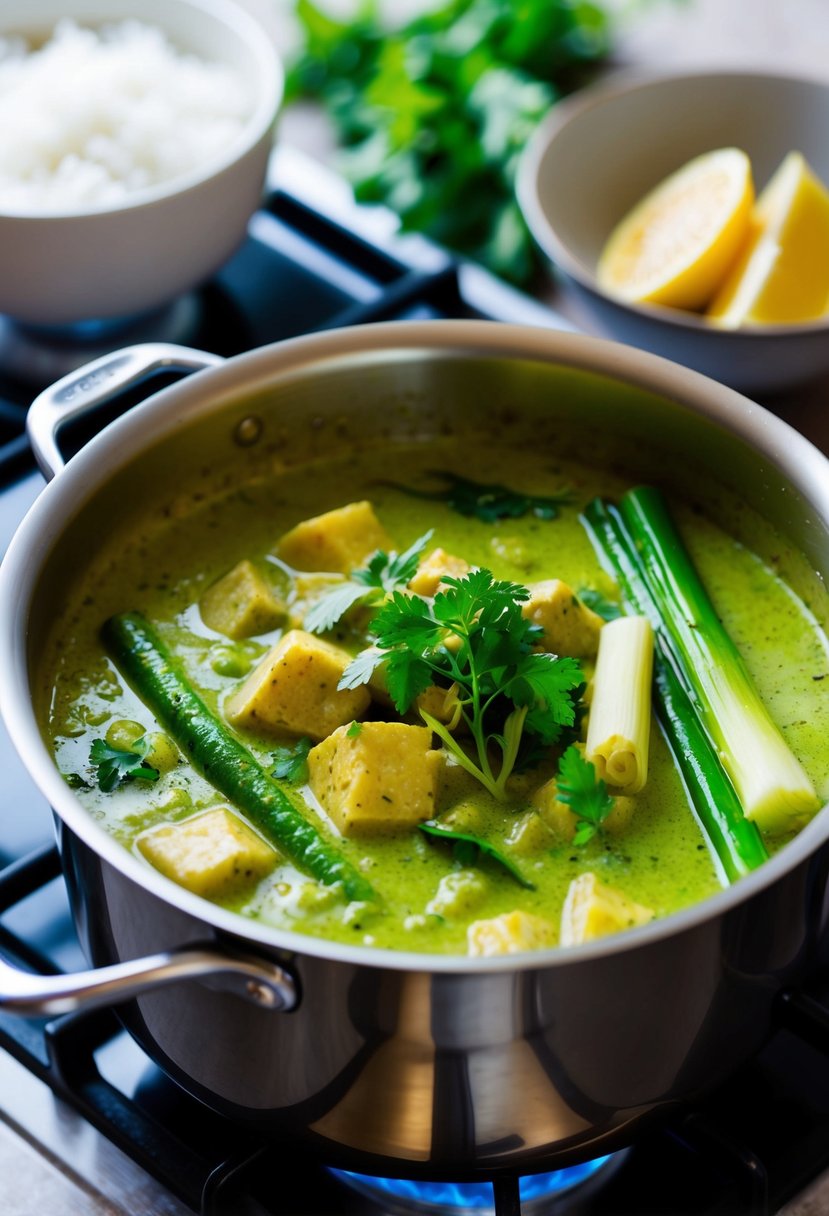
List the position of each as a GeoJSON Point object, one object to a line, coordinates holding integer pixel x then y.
{"type": "Point", "coordinates": [468, 1196]}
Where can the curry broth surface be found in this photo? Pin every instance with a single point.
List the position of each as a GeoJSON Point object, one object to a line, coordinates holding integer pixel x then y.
{"type": "Point", "coordinates": [661, 860]}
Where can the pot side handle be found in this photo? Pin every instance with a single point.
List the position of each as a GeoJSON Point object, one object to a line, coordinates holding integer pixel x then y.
{"type": "Point", "coordinates": [262, 983]}
{"type": "Point", "coordinates": [95, 383]}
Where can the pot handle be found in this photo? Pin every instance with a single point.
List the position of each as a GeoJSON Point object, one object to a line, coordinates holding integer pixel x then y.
{"type": "Point", "coordinates": [262, 983]}
{"type": "Point", "coordinates": [84, 389]}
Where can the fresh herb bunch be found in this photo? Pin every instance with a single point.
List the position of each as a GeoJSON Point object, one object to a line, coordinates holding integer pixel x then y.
{"type": "Point", "coordinates": [584, 792]}
{"type": "Point", "coordinates": [473, 635]}
{"type": "Point", "coordinates": [384, 573]}
{"type": "Point", "coordinates": [489, 503]}
{"type": "Point", "coordinates": [113, 766]}
{"type": "Point", "coordinates": [435, 114]}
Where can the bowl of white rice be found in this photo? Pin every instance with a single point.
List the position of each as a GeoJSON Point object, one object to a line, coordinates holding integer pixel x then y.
{"type": "Point", "coordinates": [134, 147]}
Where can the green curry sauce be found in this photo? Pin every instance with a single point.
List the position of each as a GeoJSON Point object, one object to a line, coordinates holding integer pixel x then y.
{"type": "Point", "coordinates": [661, 859]}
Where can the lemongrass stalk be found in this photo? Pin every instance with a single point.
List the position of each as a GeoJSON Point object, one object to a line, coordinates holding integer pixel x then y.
{"type": "Point", "coordinates": [618, 729]}
{"type": "Point", "coordinates": [773, 787]}
{"type": "Point", "coordinates": [736, 843]}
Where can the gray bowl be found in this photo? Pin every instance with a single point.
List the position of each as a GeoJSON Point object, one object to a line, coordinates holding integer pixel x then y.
{"type": "Point", "coordinates": [600, 151]}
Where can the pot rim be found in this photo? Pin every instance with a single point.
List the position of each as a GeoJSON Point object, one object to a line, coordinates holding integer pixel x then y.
{"type": "Point", "coordinates": [170, 410]}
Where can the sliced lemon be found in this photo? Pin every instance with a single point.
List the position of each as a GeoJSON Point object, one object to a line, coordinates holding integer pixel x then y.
{"type": "Point", "coordinates": [677, 244]}
{"type": "Point", "coordinates": [783, 274]}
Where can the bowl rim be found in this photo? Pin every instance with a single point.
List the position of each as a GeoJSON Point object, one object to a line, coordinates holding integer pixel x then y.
{"type": "Point", "coordinates": [270, 84]}
{"type": "Point", "coordinates": [241, 378]}
{"type": "Point", "coordinates": [606, 91]}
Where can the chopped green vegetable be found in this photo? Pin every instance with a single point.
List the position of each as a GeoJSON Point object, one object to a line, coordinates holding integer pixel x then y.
{"type": "Point", "coordinates": [469, 848]}
{"type": "Point", "coordinates": [736, 842]}
{"type": "Point", "coordinates": [114, 766]}
{"type": "Point", "coordinates": [774, 789]}
{"type": "Point", "coordinates": [384, 573]}
{"type": "Point", "coordinates": [354, 730]}
{"type": "Point", "coordinates": [474, 635]}
{"type": "Point", "coordinates": [488, 503]}
{"type": "Point", "coordinates": [221, 759]}
{"type": "Point", "coordinates": [579, 787]}
{"type": "Point", "coordinates": [434, 114]}
{"type": "Point", "coordinates": [291, 761]}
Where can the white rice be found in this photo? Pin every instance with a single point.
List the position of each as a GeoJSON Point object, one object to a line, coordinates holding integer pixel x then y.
{"type": "Point", "coordinates": [94, 115]}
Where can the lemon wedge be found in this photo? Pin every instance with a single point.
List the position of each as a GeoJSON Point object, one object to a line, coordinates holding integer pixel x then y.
{"type": "Point", "coordinates": [678, 243]}
{"type": "Point", "coordinates": [783, 274]}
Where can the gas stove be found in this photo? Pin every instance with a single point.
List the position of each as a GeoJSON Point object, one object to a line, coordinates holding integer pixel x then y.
{"type": "Point", "coordinates": [88, 1123]}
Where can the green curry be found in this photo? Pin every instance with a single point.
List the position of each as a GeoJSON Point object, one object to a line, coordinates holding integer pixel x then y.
{"type": "Point", "coordinates": [222, 591]}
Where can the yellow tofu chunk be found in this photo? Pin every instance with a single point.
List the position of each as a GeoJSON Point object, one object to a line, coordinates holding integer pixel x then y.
{"type": "Point", "coordinates": [338, 540]}
{"type": "Point", "coordinates": [593, 909]}
{"type": "Point", "coordinates": [509, 933]}
{"type": "Point", "coordinates": [210, 854]}
{"type": "Point", "coordinates": [294, 688]}
{"type": "Point", "coordinates": [241, 604]}
{"type": "Point", "coordinates": [570, 627]}
{"type": "Point", "coordinates": [434, 568]}
{"type": "Point", "coordinates": [383, 778]}
{"type": "Point", "coordinates": [530, 835]}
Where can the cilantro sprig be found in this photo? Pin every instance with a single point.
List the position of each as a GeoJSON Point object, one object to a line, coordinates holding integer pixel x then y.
{"type": "Point", "coordinates": [488, 503]}
{"type": "Point", "coordinates": [384, 573]}
{"type": "Point", "coordinates": [584, 792]}
{"type": "Point", "coordinates": [474, 635]}
{"type": "Point", "coordinates": [291, 760]}
{"type": "Point", "coordinates": [114, 766]}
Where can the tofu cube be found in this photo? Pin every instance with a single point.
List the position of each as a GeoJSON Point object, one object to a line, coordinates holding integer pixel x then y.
{"type": "Point", "coordinates": [510, 933]}
{"type": "Point", "coordinates": [211, 854]}
{"type": "Point", "coordinates": [383, 779]}
{"type": "Point", "coordinates": [241, 604]}
{"type": "Point", "coordinates": [530, 835]}
{"type": "Point", "coordinates": [570, 627]}
{"type": "Point", "coordinates": [294, 688]}
{"type": "Point", "coordinates": [338, 540]}
{"type": "Point", "coordinates": [593, 909]}
{"type": "Point", "coordinates": [434, 568]}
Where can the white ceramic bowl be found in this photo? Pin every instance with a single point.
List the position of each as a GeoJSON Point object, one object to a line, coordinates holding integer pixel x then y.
{"type": "Point", "coordinates": [600, 151]}
{"type": "Point", "coordinates": [120, 260]}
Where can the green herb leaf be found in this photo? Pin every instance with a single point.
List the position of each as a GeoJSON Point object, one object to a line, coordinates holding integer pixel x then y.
{"type": "Point", "coordinates": [383, 573]}
{"type": "Point", "coordinates": [468, 849]}
{"type": "Point", "coordinates": [488, 503]}
{"type": "Point", "coordinates": [354, 730]}
{"type": "Point", "coordinates": [609, 610]}
{"type": "Point", "coordinates": [291, 761]}
{"type": "Point", "coordinates": [473, 635]}
{"type": "Point", "coordinates": [113, 766]}
{"type": "Point", "coordinates": [585, 794]}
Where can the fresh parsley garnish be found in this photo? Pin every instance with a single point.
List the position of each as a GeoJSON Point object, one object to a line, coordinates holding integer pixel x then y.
{"type": "Point", "coordinates": [468, 849]}
{"type": "Point", "coordinates": [384, 573]}
{"type": "Point", "coordinates": [488, 503]}
{"type": "Point", "coordinates": [609, 610]}
{"type": "Point", "coordinates": [434, 112]}
{"type": "Point", "coordinates": [474, 635]}
{"type": "Point", "coordinates": [291, 761]}
{"type": "Point", "coordinates": [114, 766]}
{"type": "Point", "coordinates": [585, 794]}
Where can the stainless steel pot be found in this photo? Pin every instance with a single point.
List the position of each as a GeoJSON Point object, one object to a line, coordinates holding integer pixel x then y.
{"type": "Point", "coordinates": [391, 1061]}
